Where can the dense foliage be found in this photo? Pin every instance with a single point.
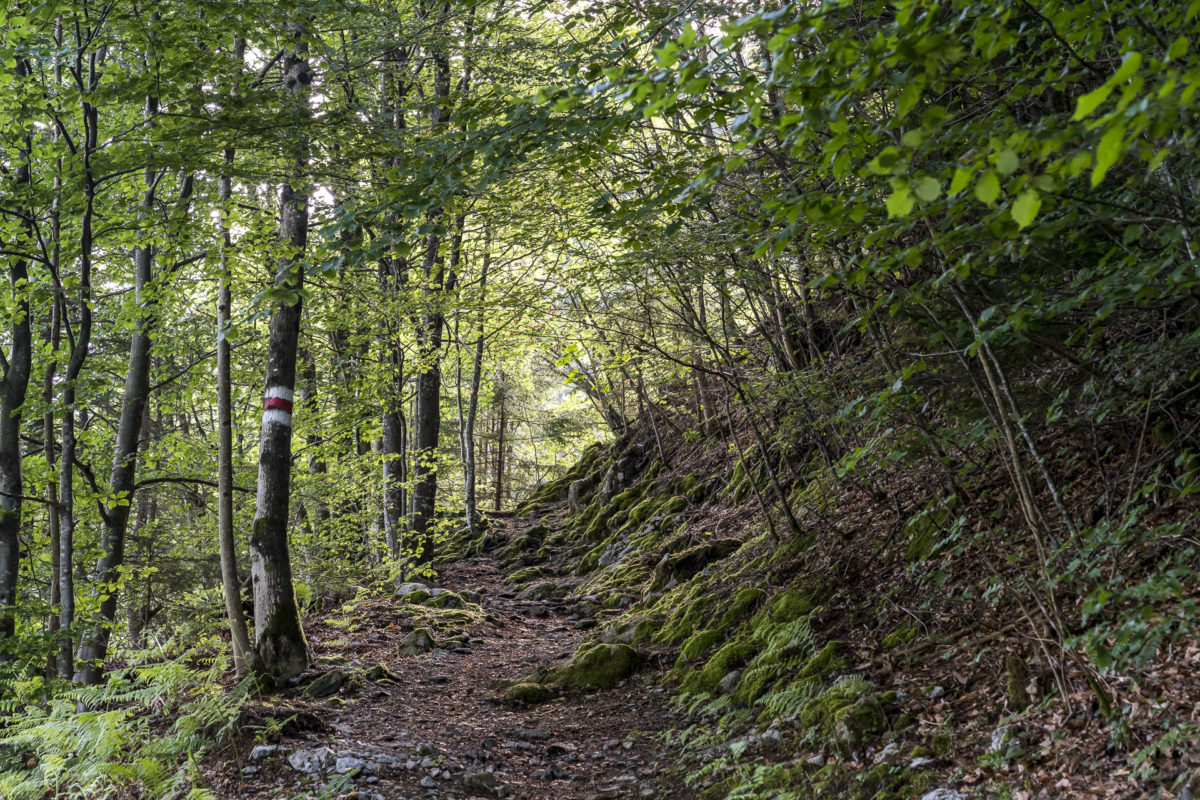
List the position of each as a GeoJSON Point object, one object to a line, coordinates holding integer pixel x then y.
{"type": "Point", "coordinates": [849, 240]}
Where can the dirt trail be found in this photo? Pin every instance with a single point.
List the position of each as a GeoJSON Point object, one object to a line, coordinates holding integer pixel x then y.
{"type": "Point", "coordinates": [437, 731]}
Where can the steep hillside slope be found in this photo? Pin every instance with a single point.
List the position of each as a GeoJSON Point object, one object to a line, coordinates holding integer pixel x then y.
{"type": "Point", "coordinates": [890, 648]}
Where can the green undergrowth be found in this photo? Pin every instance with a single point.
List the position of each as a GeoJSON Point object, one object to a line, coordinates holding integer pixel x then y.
{"type": "Point", "coordinates": [143, 733]}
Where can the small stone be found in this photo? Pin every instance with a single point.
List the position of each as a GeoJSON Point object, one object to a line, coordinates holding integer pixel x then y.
{"type": "Point", "coordinates": [480, 782]}
{"type": "Point", "coordinates": [531, 734]}
{"type": "Point", "coordinates": [943, 794]}
{"type": "Point", "coordinates": [921, 761]}
{"type": "Point", "coordinates": [347, 764]}
{"type": "Point", "coordinates": [428, 782]}
{"type": "Point", "coordinates": [311, 761]}
{"type": "Point", "coordinates": [885, 755]}
{"type": "Point", "coordinates": [427, 749]}
{"type": "Point", "coordinates": [249, 770]}
{"type": "Point", "coordinates": [262, 752]}
{"type": "Point", "coordinates": [934, 692]}
{"type": "Point", "coordinates": [427, 762]}
{"type": "Point", "coordinates": [815, 761]}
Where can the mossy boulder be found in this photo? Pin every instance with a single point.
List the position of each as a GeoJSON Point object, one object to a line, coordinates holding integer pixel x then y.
{"type": "Point", "coordinates": [527, 574]}
{"type": "Point", "coordinates": [527, 694]}
{"type": "Point", "coordinates": [699, 643]}
{"type": "Point", "coordinates": [726, 659]}
{"type": "Point", "coordinates": [601, 665]}
{"type": "Point", "coordinates": [379, 673]}
{"type": "Point", "coordinates": [681, 566]}
{"type": "Point", "coordinates": [634, 630]}
{"type": "Point", "coordinates": [859, 722]}
{"type": "Point", "coordinates": [326, 684]}
{"type": "Point", "coordinates": [418, 641]}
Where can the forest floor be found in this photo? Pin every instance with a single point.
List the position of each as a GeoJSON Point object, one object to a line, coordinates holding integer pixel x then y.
{"type": "Point", "coordinates": [435, 727]}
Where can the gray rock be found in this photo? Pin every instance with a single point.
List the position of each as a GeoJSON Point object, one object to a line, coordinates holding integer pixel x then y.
{"type": "Point", "coordinates": [262, 752]}
{"type": "Point", "coordinates": [346, 764]}
{"type": "Point", "coordinates": [934, 692]}
{"type": "Point", "coordinates": [249, 770]}
{"type": "Point", "coordinates": [888, 753]}
{"type": "Point", "coordinates": [313, 760]}
{"type": "Point", "coordinates": [428, 782]}
{"type": "Point", "coordinates": [917, 763]}
{"type": "Point", "coordinates": [419, 641]}
{"type": "Point", "coordinates": [406, 589]}
{"type": "Point", "coordinates": [729, 682]}
{"type": "Point", "coordinates": [943, 794]}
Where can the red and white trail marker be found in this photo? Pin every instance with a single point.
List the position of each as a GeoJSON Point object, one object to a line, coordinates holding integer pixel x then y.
{"type": "Point", "coordinates": [277, 407]}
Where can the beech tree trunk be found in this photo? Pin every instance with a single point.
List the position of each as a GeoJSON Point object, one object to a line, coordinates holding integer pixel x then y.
{"type": "Point", "coordinates": [244, 658]}
{"type": "Point", "coordinates": [429, 337]}
{"type": "Point", "coordinates": [279, 637]}
{"type": "Point", "coordinates": [13, 386]}
{"type": "Point", "coordinates": [94, 647]}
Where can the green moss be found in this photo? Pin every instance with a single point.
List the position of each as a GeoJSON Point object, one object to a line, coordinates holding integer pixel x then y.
{"type": "Point", "coordinates": [901, 635]}
{"type": "Point", "coordinates": [627, 498]}
{"type": "Point", "coordinates": [940, 743]}
{"type": "Point", "coordinates": [823, 662]}
{"type": "Point", "coordinates": [688, 482]}
{"type": "Point", "coordinates": [728, 657]}
{"type": "Point", "coordinates": [674, 505]}
{"type": "Point", "coordinates": [743, 602]}
{"type": "Point", "coordinates": [789, 605]}
{"type": "Point", "coordinates": [601, 665]}
{"type": "Point", "coordinates": [699, 643]}
{"type": "Point", "coordinates": [527, 574]}
{"type": "Point", "coordinates": [642, 511]}
{"type": "Point", "coordinates": [527, 694]}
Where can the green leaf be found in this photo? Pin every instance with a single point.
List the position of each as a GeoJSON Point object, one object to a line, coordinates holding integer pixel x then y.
{"type": "Point", "coordinates": [1007, 161]}
{"type": "Point", "coordinates": [988, 188]}
{"type": "Point", "coordinates": [962, 177]}
{"type": "Point", "coordinates": [1108, 152]}
{"type": "Point", "coordinates": [1087, 103]}
{"type": "Point", "coordinates": [900, 203]}
{"type": "Point", "coordinates": [1025, 208]}
{"type": "Point", "coordinates": [1178, 48]}
{"type": "Point", "coordinates": [927, 189]}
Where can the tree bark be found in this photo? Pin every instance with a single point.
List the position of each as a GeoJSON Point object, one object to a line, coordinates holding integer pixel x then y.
{"type": "Point", "coordinates": [245, 659]}
{"type": "Point", "coordinates": [13, 387]}
{"type": "Point", "coordinates": [279, 636]}
{"type": "Point", "coordinates": [121, 482]}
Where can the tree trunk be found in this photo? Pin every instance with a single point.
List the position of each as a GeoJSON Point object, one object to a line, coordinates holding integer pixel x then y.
{"type": "Point", "coordinates": [121, 481]}
{"type": "Point", "coordinates": [468, 428]}
{"type": "Point", "coordinates": [244, 658]}
{"type": "Point", "coordinates": [429, 337]}
{"type": "Point", "coordinates": [15, 383]}
{"type": "Point", "coordinates": [279, 636]}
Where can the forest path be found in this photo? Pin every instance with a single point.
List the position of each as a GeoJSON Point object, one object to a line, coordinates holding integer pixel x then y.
{"type": "Point", "coordinates": [437, 731]}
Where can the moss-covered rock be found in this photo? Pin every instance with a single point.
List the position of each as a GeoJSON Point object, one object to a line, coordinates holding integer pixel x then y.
{"type": "Point", "coordinates": [416, 642]}
{"type": "Point", "coordinates": [600, 665]}
{"type": "Point", "coordinates": [677, 568]}
{"type": "Point", "coordinates": [634, 630]}
{"type": "Point", "coordinates": [326, 684]}
{"type": "Point", "coordinates": [527, 694]}
{"type": "Point", "coordinates": [725, 660]}
{"type": "Point", "coordinates": [700, 643]}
